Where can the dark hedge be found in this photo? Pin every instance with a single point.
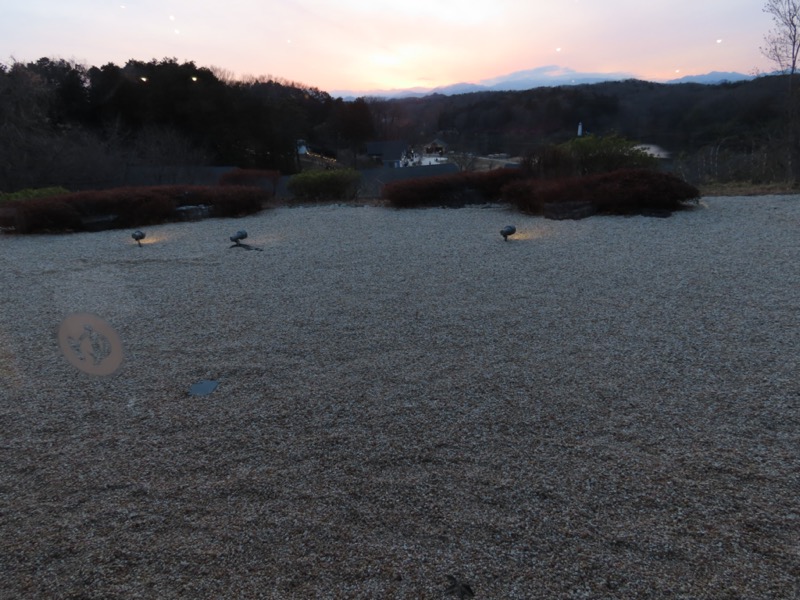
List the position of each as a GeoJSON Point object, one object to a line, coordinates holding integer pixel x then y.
{"type": "Point", "coordinates": [127, 207]}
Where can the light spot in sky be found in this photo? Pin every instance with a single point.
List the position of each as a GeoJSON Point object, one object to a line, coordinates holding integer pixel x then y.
{"type": "Point", "coordinates": [719, 41]}
{"type": "Point", "coordinates": [177, 32]}
{"type": "Point", "coordinates": [558, 49]}
{"type": "Point", "coordinates": [447, 12]}
{"type": "Point", "coordinates": [386, 60]}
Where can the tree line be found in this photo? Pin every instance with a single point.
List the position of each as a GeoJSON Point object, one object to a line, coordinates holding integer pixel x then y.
{"type": "Point", "coordinates": [63, 123]}
{"type": "Point", "coordinates": [742, 120]}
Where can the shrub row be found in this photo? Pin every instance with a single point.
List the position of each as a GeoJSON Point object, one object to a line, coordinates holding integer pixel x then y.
{"type": "Point", "coordinates": [624, 192]}
{"type": "Point", "coordinates": [126, 207]}
{"type": "Point", "coordinates": [454, 190]}
{"type": "Point", "coordinates": [333, 184]}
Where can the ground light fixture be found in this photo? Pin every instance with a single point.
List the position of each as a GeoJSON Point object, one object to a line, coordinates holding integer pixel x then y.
{"type": "Point", "coordinates": [138, 236]}
{"type": "Point", "coordinates": [507, 231]}
{"type": "Point", "coordinates": [237, 238]}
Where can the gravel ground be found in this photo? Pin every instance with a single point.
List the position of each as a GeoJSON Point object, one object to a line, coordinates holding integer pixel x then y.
{"type": "Point", "coordinates": [409, 407]}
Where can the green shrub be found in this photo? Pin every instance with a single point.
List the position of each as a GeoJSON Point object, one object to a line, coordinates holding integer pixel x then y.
{"type": "Point", "coordinates": [334, 184]}
{"type": "Point", "coordinates": [549, 162]}
{"type": "Point", "coordinates": [28, 194]}
{"type": "Point", "coordinates": [588, 155]}
{"type": "Point", "coordinates": [592, 154]}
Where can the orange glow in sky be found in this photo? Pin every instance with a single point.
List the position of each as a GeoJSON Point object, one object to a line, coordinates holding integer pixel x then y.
{"type": "Point", "coordinates": [369, 45]}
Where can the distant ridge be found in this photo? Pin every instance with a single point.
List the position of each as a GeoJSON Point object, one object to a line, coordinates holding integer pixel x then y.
{"type": "Point", "coordinates": [547, 76]}
{"type": "Point", "coordinates": [713, 78]}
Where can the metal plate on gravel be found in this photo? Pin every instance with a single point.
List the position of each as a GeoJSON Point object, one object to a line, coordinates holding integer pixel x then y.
{"type": "Point", "coordinates": [203, 388]}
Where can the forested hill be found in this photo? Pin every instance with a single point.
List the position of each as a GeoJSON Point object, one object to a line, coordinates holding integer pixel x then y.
{"type": "Point", "coordinates": [679, 117]}
{"type": "Point", "coordinates": [68, 124]}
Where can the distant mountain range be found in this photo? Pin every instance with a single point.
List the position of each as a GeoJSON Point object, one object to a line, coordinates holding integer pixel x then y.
{"type": "Point", "coordinates": [548, 76]}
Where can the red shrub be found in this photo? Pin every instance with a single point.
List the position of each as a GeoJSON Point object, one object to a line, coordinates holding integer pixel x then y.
{"type": "Point", "coordinates": [619, 192]}
{"type": "Point", "coordinates": [638, 190]}
{"type": "Point", "coordinates": [130, 207]}
{"type": "Point", "coordinates": [525, 195]}
{"type": "Point", "coordinates": [45, 214]}
{"type": "Point", "coordinates": [458, 189]}
{"type": "Point", "coordinates": [423, 191]}
{"type": "Point", "coordinates": [231, 201]}
{"type": "Point", "coordinates": [489, 183]}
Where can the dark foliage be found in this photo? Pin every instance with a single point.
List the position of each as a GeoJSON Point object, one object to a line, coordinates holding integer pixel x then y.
{"type": "Point", "coordinates": [454, 190]}
{"type": "Point", "coordinates": [126, 207]}
{"type": "Point", "coordinates": [549, 161]}
{"type": "Point", "coordinates": [489, 183]}
{"type": "Point", "coordinates": [588, 155]}
{"type": "Point", "coordinates": [679, 117]}
{"type": "Point", "coordinates": [229, 201]}
{"type": "Point", "coordinates": [323, 185]}
{"type": "Point", "coordinates": [81, 126]}
{"type": "Point", "coordinates": [625, 192]}
{"type": "Point", "coordinates": [41, 215]}
{"type": "Point", "coordinates": [252, 178]}
{"type": "Point", "coordinates": [423, 192]}
{"type": "Point", "coordinates": [638, 190]}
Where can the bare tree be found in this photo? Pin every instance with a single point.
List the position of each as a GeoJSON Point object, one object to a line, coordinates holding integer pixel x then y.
{"type": "Point", "coordinates": [466, 161]}
{"type": "Point", "coordinates": [782, 48]}
{"type": "Point", "coordinates": [783, 41]}
{"type": "Point", "coordinates": [226, 76]}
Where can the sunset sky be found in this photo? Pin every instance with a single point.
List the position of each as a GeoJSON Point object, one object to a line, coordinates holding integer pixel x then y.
{"type": "Point", "coordinates": [365, 45]}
